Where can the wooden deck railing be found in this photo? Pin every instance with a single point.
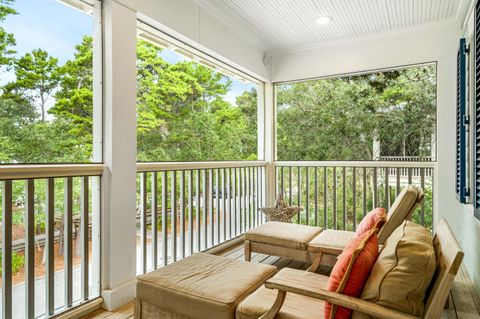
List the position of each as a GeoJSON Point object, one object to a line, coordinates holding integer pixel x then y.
{"type": "Point", "coordinates": [184, 208]}
{"type": "Point", "coordinates": [33, 197]}
{"type": "Point", "coordinates": [337, 195]}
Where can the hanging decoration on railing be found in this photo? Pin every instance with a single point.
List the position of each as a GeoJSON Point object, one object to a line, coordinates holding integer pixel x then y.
{"type": "Point", "coordinates": [280, 212]}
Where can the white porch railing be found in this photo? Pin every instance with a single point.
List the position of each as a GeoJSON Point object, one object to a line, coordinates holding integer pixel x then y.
{"type": "Point", "coordinates": [338, 194]}
{"type": "Point", "coordinates": [51, 229]}
{"type": "Point", "coordinates": [406, 158]}
{"type": "Point", "coordinates": [184, 208]}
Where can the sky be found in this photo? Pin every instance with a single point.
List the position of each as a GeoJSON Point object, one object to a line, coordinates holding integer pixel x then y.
{"type": "Point", "coordinates": [56, 28]}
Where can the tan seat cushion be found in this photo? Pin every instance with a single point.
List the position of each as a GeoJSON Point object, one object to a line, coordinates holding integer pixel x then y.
{"type": "Point", "coordinates": [294, 307]}
{"type": "Point", "coordinates": [283, 234]}
{"type": "Point", "coordinates": [400, 210]}
{"type": "Point", "coordinates": [331, 241]}
{"type": "Point", "coordinates": [403, 271]}
{"type": "Point", "coordinates": [211, 286]}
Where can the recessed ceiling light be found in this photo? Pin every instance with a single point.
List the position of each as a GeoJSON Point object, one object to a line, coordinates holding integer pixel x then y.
{"type": "Point", "coordinates": [323, 20]}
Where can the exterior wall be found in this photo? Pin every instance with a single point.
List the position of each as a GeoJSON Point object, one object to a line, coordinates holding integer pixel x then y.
{"type": "Point", "coordinates": [409, 47]}
{"type": "Point", "coordinates": [188, 21]}
{"type": "Point", "coordinates": [430, 44]}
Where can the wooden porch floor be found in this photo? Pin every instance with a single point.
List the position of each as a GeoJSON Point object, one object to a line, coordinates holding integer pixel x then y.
{"type": "Point", "coordinates": [464, 303]}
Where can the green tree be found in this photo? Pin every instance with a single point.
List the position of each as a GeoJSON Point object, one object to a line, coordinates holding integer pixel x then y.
{"type": "Point", "coordinates": [340, 118]}
{"type": "Point", "coordinates": [15, 121]}
{"type": "Point", "coordinates": [248, 104]}
{"type": "Point", "coordinates": [182, 114]}
{"type": "Point", "coordinates": [411, 113]}
{"type": "Point", "coordinates": [325, 120]}
{"type": "Point", "coordinates": [7, 40]}
{"type": "Point", "coordinates": [37, 77]}
{"type": "Point", "coordinates": [25, 139]}
{"type": "Point", "coordinates": [73, 106]}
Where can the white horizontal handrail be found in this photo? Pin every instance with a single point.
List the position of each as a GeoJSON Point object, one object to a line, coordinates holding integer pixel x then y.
{"type": "Point", "coordinates": [408, 157]}
{"type": "Point", "coordinates": [172, 166]}
{"type": "Point", "coordinates": [388, 164]}
{"type": "Point", "coordinates": [8, 172]}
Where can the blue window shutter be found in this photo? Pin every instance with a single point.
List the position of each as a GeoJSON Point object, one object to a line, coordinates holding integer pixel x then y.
{"type": "Point", "coordinates": [461, 186]}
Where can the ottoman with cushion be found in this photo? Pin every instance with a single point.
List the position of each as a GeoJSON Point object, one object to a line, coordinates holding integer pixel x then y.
{"type": "Point", "coordinates": [310, 244]}
{"type": "Point", "coordinates": [201, 286]}
{"type": "Point", "coordinates": [280, 239]}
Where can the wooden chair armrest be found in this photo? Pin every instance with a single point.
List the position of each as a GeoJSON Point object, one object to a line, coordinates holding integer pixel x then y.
{"type": "Point", "coordinates": [285, 285]}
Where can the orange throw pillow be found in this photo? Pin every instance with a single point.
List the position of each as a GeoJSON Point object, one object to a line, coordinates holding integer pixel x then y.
{"type": "Point", "coordinates": [351, 271]}
{"type": "Point", "coordinates": [374, 219]}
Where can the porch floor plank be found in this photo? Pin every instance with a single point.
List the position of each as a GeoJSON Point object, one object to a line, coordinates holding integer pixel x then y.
{"type": "Point", "coordinates": [124, 312]}
{"type": "Point", "coordinates": [464, 303]}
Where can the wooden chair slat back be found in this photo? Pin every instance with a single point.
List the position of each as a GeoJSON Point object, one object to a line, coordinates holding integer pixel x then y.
{"type": "Point", "coordinates": [385, 231]}
{"type": "Point", "coordinates": [418, 203]}
{"type": "Point", "coordinates": [449, 258]}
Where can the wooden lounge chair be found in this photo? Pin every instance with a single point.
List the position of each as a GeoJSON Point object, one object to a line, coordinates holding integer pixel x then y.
{"type": "Point", "coordinates": [301, 294]}
{"type": "Point", "coordinates": [308, 243]}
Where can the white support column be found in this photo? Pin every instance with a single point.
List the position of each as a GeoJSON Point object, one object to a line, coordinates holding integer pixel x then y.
{"type": "Point", "coordinates": [97, 144]}
{"type": "Point", "coordinates": [270, 152]}
{"type": "Point", "coordinates": [119, 182]}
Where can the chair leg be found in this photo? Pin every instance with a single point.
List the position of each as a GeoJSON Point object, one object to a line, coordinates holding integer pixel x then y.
{"type": "Point", "coordinates": [315, 263]}
{"type": "Point", "coordinates": [247, 251]}
{"type": "Point", "coordinates": [277, 305]}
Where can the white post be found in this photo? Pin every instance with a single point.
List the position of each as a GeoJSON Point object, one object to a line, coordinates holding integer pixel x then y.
{"type": "Point", "coordinates": [376, 146]}
{"type": "Point", "coordinates": [119, 181]}
{"type": "Point", "coordinates": [433, 152]}
{"type": "Point", "coordinates": [97, 144]}
{"type": "Point", "coordinates": [270, 152]}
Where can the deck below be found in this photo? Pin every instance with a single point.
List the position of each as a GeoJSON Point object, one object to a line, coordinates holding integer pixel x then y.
{"type": "Point", "coordinates": [464, 303]}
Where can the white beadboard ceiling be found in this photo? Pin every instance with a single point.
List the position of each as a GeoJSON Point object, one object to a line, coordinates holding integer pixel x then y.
{"type": "Point", "coordinates": [283, 25]}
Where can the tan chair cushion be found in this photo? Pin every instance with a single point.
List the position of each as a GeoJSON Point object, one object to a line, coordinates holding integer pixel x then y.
{"type": "Point", "coordinates": [400, 210]}
{"type": "Point", "coordinates": [211, 286]}
{"type": "Point", "coordinates": [403, 271]}
{"type": "Point", "coordinates": [283, 234]}
{"type": "Point", "coordinates": [294, 307]}
{"type": "Point", "coordinates": [331, 241]}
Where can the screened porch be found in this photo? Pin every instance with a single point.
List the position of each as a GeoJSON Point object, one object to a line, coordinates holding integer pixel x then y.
{"type": "Point", "coordinates": [138, 134]}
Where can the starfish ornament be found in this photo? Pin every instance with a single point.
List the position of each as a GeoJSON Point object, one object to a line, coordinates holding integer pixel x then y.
{"type": "Point", "coordinates": [280, 212]}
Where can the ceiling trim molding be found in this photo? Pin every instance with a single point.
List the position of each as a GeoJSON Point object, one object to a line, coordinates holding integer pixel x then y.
{"type": "Point", "coordinates": [462, 9]}
{"type": "Point", "coordinates": [464, 19]}
{"type": "Point", "coordinates": [319, 45]}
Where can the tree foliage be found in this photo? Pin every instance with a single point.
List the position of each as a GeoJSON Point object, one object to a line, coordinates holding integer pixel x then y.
{"type": "Point", "coordinates": [37, 76]}
{"type": "Point", "coordinates": [183, 113]}
{"type": "Point", "coordinates": [342, 118]}
{"type": "Point", "coordinates": [7, 40]}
